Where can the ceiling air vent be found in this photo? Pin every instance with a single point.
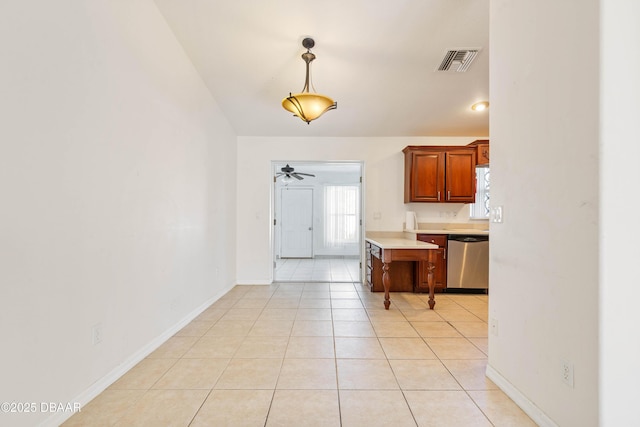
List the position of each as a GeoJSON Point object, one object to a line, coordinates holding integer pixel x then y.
{"type": "Point", "coordinates": [458, 60]}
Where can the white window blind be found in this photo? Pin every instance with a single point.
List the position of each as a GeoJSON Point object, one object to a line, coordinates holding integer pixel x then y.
{"type": "Point", "coordinates": [480, 209]}
{"type": "Point", "coordinates": [342, 213]}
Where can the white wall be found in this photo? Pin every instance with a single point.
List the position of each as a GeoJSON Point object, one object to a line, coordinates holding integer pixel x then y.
{"type": "Point", "coordinates": [112, 207]}
{"type": "Point", "coordinates": [383, 187]}
{"type": "Point", "coordinates": [620, 151]}
{"type": "Point", "coordinates": [544, 170]}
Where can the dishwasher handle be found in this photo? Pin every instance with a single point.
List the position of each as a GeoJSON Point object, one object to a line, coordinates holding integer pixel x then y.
{"type": "Point", "coordinates": [467, 238]}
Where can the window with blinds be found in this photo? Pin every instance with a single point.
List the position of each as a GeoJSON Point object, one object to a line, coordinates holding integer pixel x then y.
{"type": "Point", "coordinates": [341, 210]}
{"type": "Point", "coordinates": [480, 209]}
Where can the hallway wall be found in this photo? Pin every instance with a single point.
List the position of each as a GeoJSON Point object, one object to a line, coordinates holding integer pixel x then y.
{"type": "Point", "coordinates": [113, 212]}
{"type": "Point", "coordinates": [544, 173]}
{"type": "Point", "coordinates": [619, 292]}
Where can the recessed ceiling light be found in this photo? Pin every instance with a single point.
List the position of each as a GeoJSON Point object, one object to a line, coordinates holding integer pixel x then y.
{"type": "Point", "coordinates": [480, 106]}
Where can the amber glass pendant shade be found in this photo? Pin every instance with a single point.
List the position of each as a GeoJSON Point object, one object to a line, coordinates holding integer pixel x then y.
{"type": "Point", "coordinates": [308, 105]}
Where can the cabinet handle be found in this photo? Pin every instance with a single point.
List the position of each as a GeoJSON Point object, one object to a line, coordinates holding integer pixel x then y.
{"type": "Point", "coordinates": [438, 195]}
{"type": "Point", "coordinates": [448, 195]}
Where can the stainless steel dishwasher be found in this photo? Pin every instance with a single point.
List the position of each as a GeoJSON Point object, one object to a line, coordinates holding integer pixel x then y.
{"type": "Point", "coordinates": [468, 261]}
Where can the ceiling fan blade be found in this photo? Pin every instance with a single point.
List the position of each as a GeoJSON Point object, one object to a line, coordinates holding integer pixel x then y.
{"type": "Point", "coordinates": [296, 176]}
{"type": "Point", "coordinates": [306, 174]}
{"type": "Point", "coordinates": [279, 174]}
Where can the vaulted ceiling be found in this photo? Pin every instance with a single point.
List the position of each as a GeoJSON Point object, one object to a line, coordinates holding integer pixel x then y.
{"type": "Point", "coordinates": [377, 59]}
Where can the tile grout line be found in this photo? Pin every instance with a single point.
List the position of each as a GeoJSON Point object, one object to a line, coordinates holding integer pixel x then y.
{"type": "Point", "coordinates": [395, 376]}
{"type": "Point", "coordinates": [335, 357]}
{"type": "Point", "coordinates": [275, 386]}
{"type": "Point", "coordinates": [404, 306]}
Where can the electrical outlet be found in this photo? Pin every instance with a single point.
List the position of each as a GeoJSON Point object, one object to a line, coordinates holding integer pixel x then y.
{"type": "Point", "coordinates": [494, 326]}
{"type": "Point", "coordinates": [96, 334]}
{"type": "Point", "coordinates": [567, 372]}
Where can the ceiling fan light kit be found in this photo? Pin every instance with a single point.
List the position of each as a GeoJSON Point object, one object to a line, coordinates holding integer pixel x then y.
{"type": "Point", "coordinates": [308, 105]}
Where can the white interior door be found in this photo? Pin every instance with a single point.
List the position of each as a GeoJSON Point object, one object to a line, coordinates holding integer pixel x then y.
{"type": "Point", "coordinates": [296, 223]}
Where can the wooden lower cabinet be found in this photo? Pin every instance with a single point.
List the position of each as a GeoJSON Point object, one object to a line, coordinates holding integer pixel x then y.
{"type": "Point", "coordinates": [407, 276]}
{"type": "Point", "coordinates": [440, 271]}
{"type": "Point", "coordinates": [401, 273]}
{"type": "Point", "coordinates": [369, 266]}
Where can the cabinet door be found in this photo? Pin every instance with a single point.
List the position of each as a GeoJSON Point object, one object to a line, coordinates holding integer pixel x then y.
{"type": "Point", "coordinates": [426, 181]}
{"type": "Point", "coordinates": [461, 176]}
{"type": "Point", "coordinates": [422, 284]}
{"type": "Point", "coordinates": [440, 272]}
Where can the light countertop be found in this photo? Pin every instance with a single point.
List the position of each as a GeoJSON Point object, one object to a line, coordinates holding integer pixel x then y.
{"type": "Point", "coordinates": [469, 231]}
{"type": "Point", "coordinates": [400, 243]}
{"type": "Point", "coordinates": [475, 229]}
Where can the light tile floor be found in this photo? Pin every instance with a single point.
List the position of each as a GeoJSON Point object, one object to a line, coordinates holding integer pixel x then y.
{"type": "Point", "coordinates": [316, 354]}
{"type": "Point", "coordinates": [336, 269]}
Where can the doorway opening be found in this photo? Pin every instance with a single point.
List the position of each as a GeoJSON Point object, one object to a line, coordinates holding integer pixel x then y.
{"type": "Point", "coordinates": [317, 228]}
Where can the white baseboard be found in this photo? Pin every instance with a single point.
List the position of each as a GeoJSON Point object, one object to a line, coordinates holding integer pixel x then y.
{"type": "Point", "coordinates": [254, 282]}
{"type": "Point", "coordinates": [520, 399]}
{"type": "Point", "coordinates": [100, 385]}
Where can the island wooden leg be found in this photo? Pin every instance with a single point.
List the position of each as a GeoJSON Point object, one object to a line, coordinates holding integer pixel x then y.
{"type": "Point", "coordinates": [385, 284]}
{"type": "Point", "coordinates": [431, 265]}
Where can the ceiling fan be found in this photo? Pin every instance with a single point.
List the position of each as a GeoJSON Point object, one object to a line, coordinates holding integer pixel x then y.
{"type": "Point", "coordinates": [288, 172]}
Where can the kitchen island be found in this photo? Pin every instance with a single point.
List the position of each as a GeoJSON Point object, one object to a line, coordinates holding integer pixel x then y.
{"type": "Point", "coordinates": [389, 249]}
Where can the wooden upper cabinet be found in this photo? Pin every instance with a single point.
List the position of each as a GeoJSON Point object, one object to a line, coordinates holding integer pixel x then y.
{"type": "Point", "coordinates": [424, 176]}
{"type": "Point", "coordinates": [461, 176]}
{"type": "Point", "coordinates": [482, 145]}
{"type": "Point", "coordinates": [483, 154]}
{"type": "Point", "coordinates": [439, 174]}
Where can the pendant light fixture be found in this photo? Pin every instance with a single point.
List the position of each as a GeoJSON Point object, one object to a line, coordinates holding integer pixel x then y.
{"type": "Point", "coordinates": [308, 105]}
